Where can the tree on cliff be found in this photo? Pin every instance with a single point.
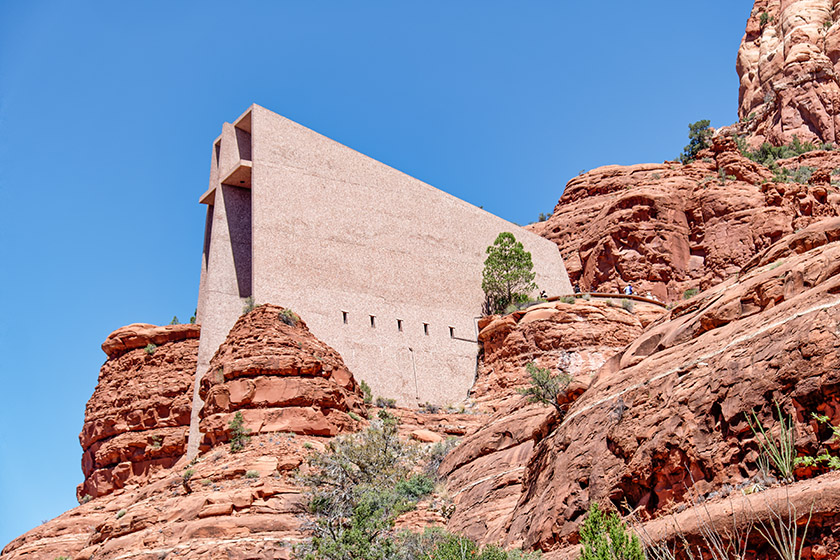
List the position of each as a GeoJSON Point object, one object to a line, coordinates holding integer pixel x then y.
{"type": "Point", "coordinates": [508, 275]}
{"type": "Point", "coordinates": [699, 135]}
{"type": "Point", "coordinates": [545, 388]}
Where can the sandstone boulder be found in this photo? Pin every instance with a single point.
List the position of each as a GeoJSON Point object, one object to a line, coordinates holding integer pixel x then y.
{"type": "Point", "coordinates": [281, 378]}
{"type": "Point", "coordinates": [137, 419]}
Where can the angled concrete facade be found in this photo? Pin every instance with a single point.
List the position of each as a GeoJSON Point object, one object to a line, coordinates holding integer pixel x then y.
{"type": "Point", "coordinates": [381, 266]}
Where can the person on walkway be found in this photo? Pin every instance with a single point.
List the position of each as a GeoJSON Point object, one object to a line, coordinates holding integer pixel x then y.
{"type": "Point", "coordinates": [577, 288]}
{"type": "Point", "coordinates": [628, 290]}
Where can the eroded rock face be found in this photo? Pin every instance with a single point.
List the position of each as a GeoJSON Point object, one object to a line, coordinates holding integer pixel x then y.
{"type": "Point", "coordinates": [577, 337]}
{"type": "Point", "coordinates": [668, 413]}
{"type": "Point", "coordinates": [280, 377]}
{"type": "Point", "coordinates": [224, 505]}
{"type": "Point", "coordinates": [788, 63]}
{"type": "Point", "coordinates": [667, 228]}
{"type": "Point", "coordinates": [137, 419]}
{"type": "Point", "coordinates": [218, 512]}
{"type": "Point", "coordinates": [486, 471]}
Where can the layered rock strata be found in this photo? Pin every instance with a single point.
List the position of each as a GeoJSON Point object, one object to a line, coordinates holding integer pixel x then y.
{"type": "Point", "coordinates": [788, 67]}
{"type": "Point", "coordinates": [667, 416]}
{"type": "Point", "coordinates": [280, 377]}
{"type": "Point", "coordinates": [669, 228]}
{"type": "Point", "coordinates": [137, 419]}
{"type": "Point", "coordinates": [485, 473]}
{"type": "Point", "coordinates": [576, 336]}
{"type": "Point", "coordinates": [225, 505]}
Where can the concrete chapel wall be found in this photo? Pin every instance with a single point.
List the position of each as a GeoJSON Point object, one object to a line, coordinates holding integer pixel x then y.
{"type": "Point", "coordinates": [381, 266]}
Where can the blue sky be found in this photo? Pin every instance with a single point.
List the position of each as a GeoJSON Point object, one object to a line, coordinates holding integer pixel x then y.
{"type": "Point", "coordinates": [108, 111]}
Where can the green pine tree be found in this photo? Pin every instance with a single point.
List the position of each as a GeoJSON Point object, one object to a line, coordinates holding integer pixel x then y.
{"type": "Point", "coordinates": [508, 275]}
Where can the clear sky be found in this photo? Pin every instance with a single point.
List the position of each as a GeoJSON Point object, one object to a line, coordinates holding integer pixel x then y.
{"type": "Point", "coordinates": [108, 111]}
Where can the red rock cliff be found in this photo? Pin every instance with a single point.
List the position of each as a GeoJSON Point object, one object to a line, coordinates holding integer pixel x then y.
{"type": "Point", "coordinates": [788, 65]}
{"type": "Point", "coordinates": [280, 377]}
{"type": "Point", "coordinates": [137, 419]}
{"type": "Point", "coordinates": [667, 228]}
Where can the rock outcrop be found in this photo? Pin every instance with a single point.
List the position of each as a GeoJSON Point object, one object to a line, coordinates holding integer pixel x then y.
{"type": "Point", "coordinates": [667, 415]}
{"type": "Point", "coordinates": [226, 505]}
{"type": "Point", "coordinates": [137, 419]}
{"type": "Point", "coordinates": [788, 66]}
{"type": "Point", "coordinates": [295, 394]}
{"type": "Point", "coordinates": [668, 228]}
{"type": "Point", "coordinates": [280, 377]}
{"type": "Point", "coordinates": [486, 471]}
{"type": "Point", "coordinates": [577, 336]}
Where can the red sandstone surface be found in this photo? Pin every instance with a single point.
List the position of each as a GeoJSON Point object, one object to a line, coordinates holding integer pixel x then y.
{"type": "Point", "coordinates": [280, 377]}
{"type": "Point", "coordinates": [667, 414]}
{"type": "Point", "coordinates": [136, 422]}
{"type": "Point", "coordinates": [232, 505]}
{"type": "Point", "coordinates": [667, 228]}
{"type": "Point", "coordinates": [788, 63]}
{"type": "Point", "coordinates": [577, 337]}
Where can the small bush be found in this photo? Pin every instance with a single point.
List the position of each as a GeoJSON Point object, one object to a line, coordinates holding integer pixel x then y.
{"type": "Point", "coordinates": [568, 299]}
{"type": "Point", "coordinates": [352, 494]}
{"type": "Point", "coordinates": [121, 513]}
{"type": "Point", "coordinates": [238, 433]}
{"type": "Point", "coordinates": [382, 402]}
{"type": "Point", "coordinates": [454, 547]}
{"type": "Point", "coordinates": [252, 474]}
{"type": "Point", "coordinates": [249, 305]}
{"type": "Point", "coordinates": [307, 445]}
{"type": "Point", "coordinates": [429, 408]}
{"type": "Point", "coordinates": [289, 317]}
{"type": "Point", "coordinates": [543, 387]}
{"type": "Point", "coordinates": [415, 487]}
{"type": "Point", "coordinates": [354, 416]}
{"type": "Point", "coordinates": [764, 19]}
{"type": "Point", "coordinates": [822, 459]}
{"type": "Point", "coordinates": [150, 348]}
{"type": "Point", "coordinates": [628, 305]}
{"type": "Point", "coordinates": [85, 499]}
{"type": "Point", "coordinates": [436, 454]}
{"type": "Point", "coordinates": [188, 474]}
{"type": "Point", "coordinates": [437, 544]}
{"type": "Point", "coordinates": [368, 394]}
{"type": "Point", "coordinates": [690, 293]}
{"type": "Point", "coordinates": [767, 154]}
{"type": "Point", "coordinates": [605, 537]}
{"type": "Point", "coordinates": [157, 442]}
